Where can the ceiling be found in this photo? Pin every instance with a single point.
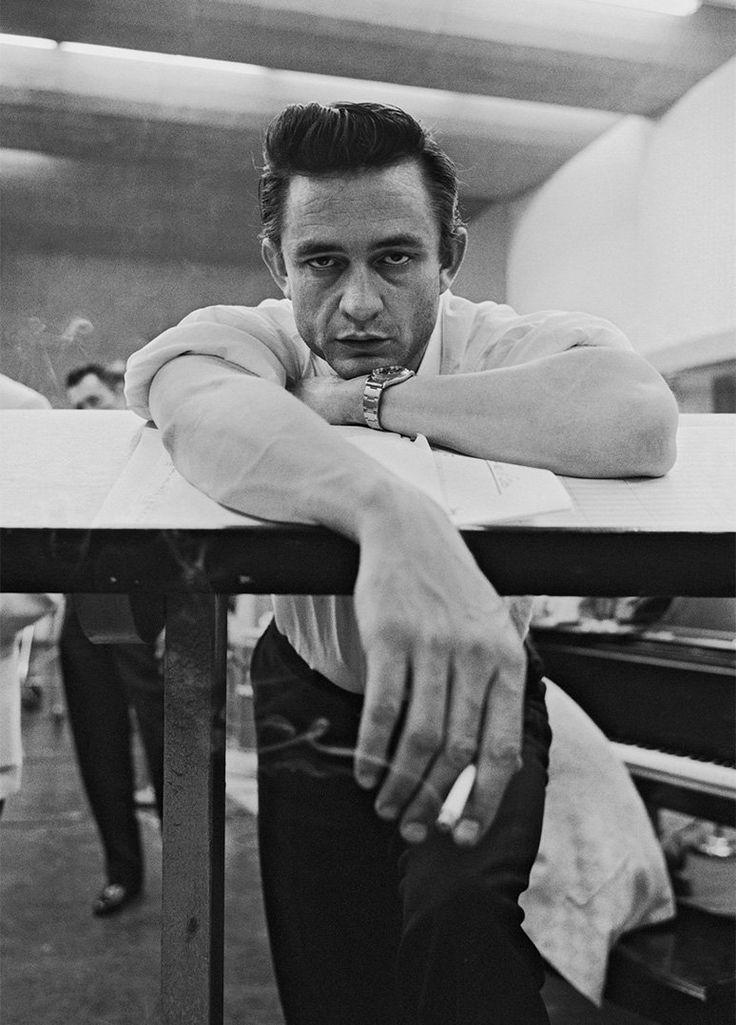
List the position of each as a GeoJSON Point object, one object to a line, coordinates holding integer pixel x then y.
{"type": "Point", "coordinates": [149, 156]}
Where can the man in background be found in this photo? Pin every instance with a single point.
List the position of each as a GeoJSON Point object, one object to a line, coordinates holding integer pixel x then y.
{"type": "Point", "coordinates": [102, 682]}
{"type": "Point", "coordinates": [94, 386]}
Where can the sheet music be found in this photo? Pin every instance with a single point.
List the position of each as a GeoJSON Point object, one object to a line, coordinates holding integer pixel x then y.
{"type": "Point", "coordinates": [482, 491]}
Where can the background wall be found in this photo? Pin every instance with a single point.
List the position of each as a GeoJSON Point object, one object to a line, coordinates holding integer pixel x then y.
{"type": "Point", "coordinates": [63, 309]}
{"type": "Point", "coordinates": [573, 241]}
{"type": "Point", "coordinates": [687, 213]}
{"type": "Point", "coordinates": [641, 227]}
{"type": "Point", "coordinates": [483, 272]}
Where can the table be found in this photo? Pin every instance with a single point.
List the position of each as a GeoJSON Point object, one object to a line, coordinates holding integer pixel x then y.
{"type": "Point", "coordinates": [670, 536]}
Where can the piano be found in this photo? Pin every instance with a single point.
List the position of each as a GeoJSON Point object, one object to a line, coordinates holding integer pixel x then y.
{"type": "Point", "coordinates": [664, 693]}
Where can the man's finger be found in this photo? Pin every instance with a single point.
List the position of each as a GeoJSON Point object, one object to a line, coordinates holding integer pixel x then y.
{"type": "Point", "coordinates": [499, 754]}
{"type": "Point", "coordinates": [422, 734]}
{"type": "Point", "coordinates": [384, 697]}
{"type": "Point", "coordinates": [460, 746]}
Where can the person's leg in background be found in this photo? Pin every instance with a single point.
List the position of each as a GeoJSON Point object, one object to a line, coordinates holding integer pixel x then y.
{"type": "Point", "coordinates": [99, 716]}
{"type": "Point", "coordinates": [141, 673]}
{"type": "Point", "coordinates": [332, 876]}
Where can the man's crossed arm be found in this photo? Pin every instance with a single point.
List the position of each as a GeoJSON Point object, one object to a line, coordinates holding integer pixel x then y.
{"type": "Point", "coordinates": [590, 411]}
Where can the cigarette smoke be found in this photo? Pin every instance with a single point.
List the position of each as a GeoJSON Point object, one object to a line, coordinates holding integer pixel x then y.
{"type": "Point", "coordinates": [293, 750]}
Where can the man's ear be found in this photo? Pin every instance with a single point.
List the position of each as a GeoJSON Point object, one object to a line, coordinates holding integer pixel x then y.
{"type": "Point", "coordinates": [458, 246]}
{"type": "Point", "coordinates": [274, 260]}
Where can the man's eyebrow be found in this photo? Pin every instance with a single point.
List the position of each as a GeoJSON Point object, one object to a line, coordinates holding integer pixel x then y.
{"type": "Point", "coordinates": [403, 240]}
{"type": "Point", "coordinates": [316, 245]}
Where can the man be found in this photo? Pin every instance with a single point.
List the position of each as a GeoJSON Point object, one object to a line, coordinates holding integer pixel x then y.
{"type": "Point", "coordinates": [101, 683]}
{"type": "Point", "coordinates": [375, 915]}
{"type": "Point", "coordinates": [94, 386]}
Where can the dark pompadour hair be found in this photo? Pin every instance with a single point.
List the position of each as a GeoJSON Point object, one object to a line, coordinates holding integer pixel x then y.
{"type": "Point", "coordinates": [317, 139]}
{"type": "Point", "coordinates": [112, 378]}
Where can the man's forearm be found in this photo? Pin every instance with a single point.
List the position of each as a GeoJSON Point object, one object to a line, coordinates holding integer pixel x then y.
{"type": "Point", "coordinates": [588, 412]}
{"type": "Point", "coordinates": [251, 446]}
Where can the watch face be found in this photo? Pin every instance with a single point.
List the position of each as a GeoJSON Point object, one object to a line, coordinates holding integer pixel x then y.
{"type": "Point", "coordinates": [383, 374]}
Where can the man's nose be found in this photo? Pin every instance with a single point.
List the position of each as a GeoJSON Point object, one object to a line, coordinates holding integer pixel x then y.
{"type": "Point", "coordinates": [361, 297]}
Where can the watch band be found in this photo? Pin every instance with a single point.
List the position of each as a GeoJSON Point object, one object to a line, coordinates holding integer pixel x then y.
{"type": "Point", "coordinates": [378, 381]}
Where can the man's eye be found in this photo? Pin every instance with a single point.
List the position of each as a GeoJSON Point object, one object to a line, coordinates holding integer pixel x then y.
{"type": "Point", "coordinates": [396, 259]}
{"type": "Point", "coordinates": [322, 262]}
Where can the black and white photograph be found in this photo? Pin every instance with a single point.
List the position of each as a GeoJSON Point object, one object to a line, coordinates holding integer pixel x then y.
{"type": "Point", "coordinates": [368, 656]}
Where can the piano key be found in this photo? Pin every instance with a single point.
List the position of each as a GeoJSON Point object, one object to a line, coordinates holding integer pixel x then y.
{"type": "Point", "coordinates": [678, 770]}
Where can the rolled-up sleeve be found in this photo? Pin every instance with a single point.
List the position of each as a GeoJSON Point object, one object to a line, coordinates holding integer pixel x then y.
{"type": "Point", "coordinates": [506, 339]}
{"type": "Point", "coordinates": [259, 341]}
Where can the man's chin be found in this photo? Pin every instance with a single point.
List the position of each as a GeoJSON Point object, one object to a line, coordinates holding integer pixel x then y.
{"type": "Point", "coordinates": [350, 369]}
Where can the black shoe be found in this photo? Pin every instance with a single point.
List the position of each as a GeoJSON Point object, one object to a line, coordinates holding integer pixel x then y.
{"type": "Point", "coordinates": [114, 897]}
{"type": "Point", "coordinates": [31, 697]}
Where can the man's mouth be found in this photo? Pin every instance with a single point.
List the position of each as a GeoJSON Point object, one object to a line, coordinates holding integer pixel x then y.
{"type": "Point", "coordinates": [362, 340]}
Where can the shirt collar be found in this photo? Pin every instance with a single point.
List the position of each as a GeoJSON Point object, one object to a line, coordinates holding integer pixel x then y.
{"type": "Point", "coordinates": [431, 360]}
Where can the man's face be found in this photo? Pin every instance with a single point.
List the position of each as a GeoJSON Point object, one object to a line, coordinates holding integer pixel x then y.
{"type": "Point", "coordinates": [360, 260]}
{"type": "Point", "coordinates": [91, 393]}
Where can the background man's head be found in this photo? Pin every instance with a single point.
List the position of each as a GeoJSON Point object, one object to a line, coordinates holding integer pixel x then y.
{"type": "Point", "coordinates": [94, 386]}
{"type": "Point", "coordinates": [314, 139]}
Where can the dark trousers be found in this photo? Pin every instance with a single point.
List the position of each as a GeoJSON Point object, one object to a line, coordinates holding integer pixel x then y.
{"type": "Point", "coordinates": [101, 683]}
{"type": "Point", "coordinates": [365, 929]}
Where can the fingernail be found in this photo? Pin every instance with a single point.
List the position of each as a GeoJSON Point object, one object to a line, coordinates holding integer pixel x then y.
{"type": "Point", "coordinates": [365, 778]}
{"type": "Point", "coordinates": [466, 832]}
{"type": "Point", "coordinates": [387, 811]}
{"type": "Point", "coordinates": [414, 832]}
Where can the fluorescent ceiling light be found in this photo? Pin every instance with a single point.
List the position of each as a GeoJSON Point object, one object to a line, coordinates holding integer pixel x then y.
{"type": "Point", "coordinates": [119, 53]}
{"type": "Point", "coordinates": [36, 41]}
{"type": "Point", "coordinates": [153, 57]}
{"type": "Point", "coordinates": [680, 8]}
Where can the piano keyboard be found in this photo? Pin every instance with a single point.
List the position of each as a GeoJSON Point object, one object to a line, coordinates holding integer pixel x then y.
{"type": "Point", "coordinates": [678, 770]}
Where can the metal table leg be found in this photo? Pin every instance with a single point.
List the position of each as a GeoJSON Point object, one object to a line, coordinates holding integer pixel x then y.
{"type": "Point", "coordinates": [192, 936]}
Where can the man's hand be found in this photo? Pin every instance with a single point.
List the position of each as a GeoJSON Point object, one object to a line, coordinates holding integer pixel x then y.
{"type": "Point", "coordinates": [336, 400]}
{"type": "Point", "coordinates": [445, 660]}
{"type": "Point", "coordinates": [445, 665]}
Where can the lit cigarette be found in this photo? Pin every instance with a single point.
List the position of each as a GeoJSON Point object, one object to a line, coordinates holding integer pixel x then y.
{"type": "Point", "coordinates": [456, 800]}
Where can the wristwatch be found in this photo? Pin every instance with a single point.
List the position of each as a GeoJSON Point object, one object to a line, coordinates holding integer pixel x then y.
{"type": "Point", "coordinates": [380, 378]}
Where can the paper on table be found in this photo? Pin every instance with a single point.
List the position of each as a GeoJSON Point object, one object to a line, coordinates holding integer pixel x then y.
{"type": "Point", "coordinates": [474, 491]}
{"type": "Point", "coordinates": [151, 493]}
{"type": "Point", "coordinates": [483, 491]}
